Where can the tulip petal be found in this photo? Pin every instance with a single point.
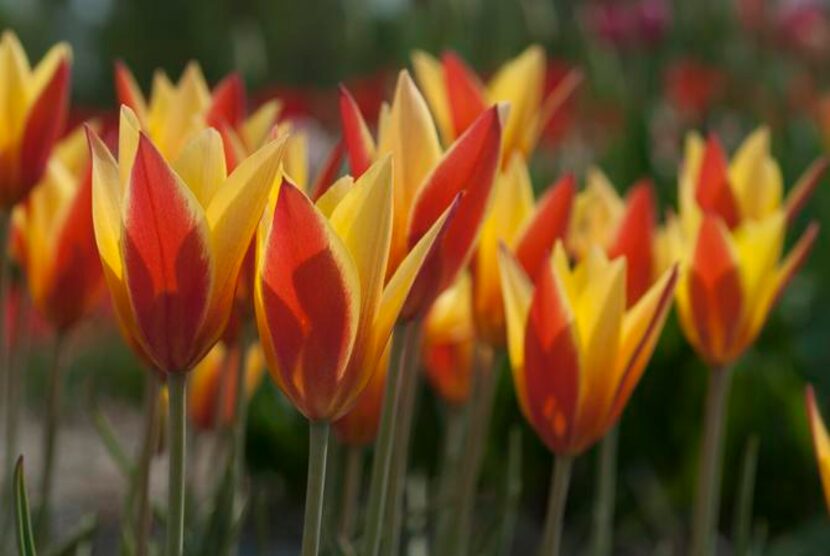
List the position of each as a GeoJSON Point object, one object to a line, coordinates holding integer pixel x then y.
{"type": "Point", "coordinates": [201, 165]}
{"type": "Point", "coordinates": [464, 92]}
{"type": "Point", "coordinates": [551, 105]}
{"type": "Point", "coordinates": [44, 124]}
{"type": "Point", "coordinates": [356, 136]}
{"type": "Point", "coordinates": [714, 291]}
{"type": "Point", "coordinates": [167, 260]}
{"type": "Point", "coordinates": [256, 128]}
{"type": "Point", "coordinates": [804, 188]}
{"type": "Point", "coordinates": [552, 364]}
{"type": "Point", "coordinates": [714, 193]}
{"type": "Point", "coordinates": [548, 223]}
{"type": "Point", "coordinates": [128, 131]}
{"type": "Point", "coordinates": [821, 442]}
{"type": "Point", "coordinates": [328, 172]}
{"type": "Point", "coordinates": [334, 195]}
{"type": "Point", "coordinates": [520, 83]}
{"type": "Point", "coordinates": [227, 105]}
{"type": "Point", "coordinates": [308, 301]}
{"type": "Point", "coordinates": [127, 90]}
{"type": "Point", "coordinates": [430, 76]}
{"type": "Point", "coordinates": [517, 291]}
{"type": "Point", "coordinates": [635, 240]}
{"type": "Point", "coordinates": [107, 202]}
{"type": "Point", "coordinates": [469, 166]}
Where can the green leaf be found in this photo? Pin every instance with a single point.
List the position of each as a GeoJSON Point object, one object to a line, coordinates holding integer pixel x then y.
{"type": "Point", "coordinates": [22, 518]}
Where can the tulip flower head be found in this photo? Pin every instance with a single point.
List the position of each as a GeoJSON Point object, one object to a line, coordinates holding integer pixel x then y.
{"type": "Point", "coordinates": [172, 235]}
{"type": "Point", "coordinates": [359, 426]}
{"type": "Point", "coordinates": [323, 307]}
{"type": "Point", "coordinates": [619, 227]}
{"type": "Point", "coordinates": [730, 242]}
{"type": "Point", "coordinates": [821, 442]}
{"type": "Point", "coordinates": [53, 236]}
{"type": "Point", "coordinates": [527, 226]}
{"type": "Point", "coordinates": [426, 181]}
{"type": "Point", "coordinates": [36, 101]}
{"type": "Point", "coordinates": [577, 353]}
{"type": "Point", "coordinates": [457, 96]}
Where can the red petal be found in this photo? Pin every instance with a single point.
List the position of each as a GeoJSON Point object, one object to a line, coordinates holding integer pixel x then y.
{"type": "Point", "coordinates": [713, 193]}
{"type": "Point", "coordinates": [307, 303]}
{"type": "Point", "coordinates": [715, 291]}
{"type": "Point", "coordinates": [805, 187]}
{"type": "Point", "coordinates": [469, 167]}
{"type": "Point", "coordinates": [167, 261]}
{"type": "Point", "coordinates": [44, 125]}
{"type": "Point", "coordinates": [228, 105]}
{"type": "Point", "coordinates": [464, 92]}
{"type": "Point", "coordinates": [328, 173]}
{"type": "Point", "coordinates": [635, 240]}
{"type": "Point", "coordinates": [125, 86]}
{"type": "Point", "coordinates": [76, 268]}
{"type": "Point", "coordinates": [551, 368]}
{"type": "Point", "coordinates": [355, 134]}
{"type": "Point", "coordinates": [549, 222]}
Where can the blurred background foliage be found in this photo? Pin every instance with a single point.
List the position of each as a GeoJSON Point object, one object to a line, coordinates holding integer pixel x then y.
{"type": "Point", "coordinates": [654, 69]}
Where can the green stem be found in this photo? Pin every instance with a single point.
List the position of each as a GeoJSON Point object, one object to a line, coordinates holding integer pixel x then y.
{"type": "Point", "coordinates": [240, 413]}
{"type": "Point", "coordinates": [707, 499]}
{"type": "Point", "coordinates": [145, 459]}
{"type": "Point", "coordinates": [447, 498]}
{"type": "Point", "coordinates": [390, 541]}
{"type": "Point", "coordinates": [53, 411]}
{"type": "Point", "coordinates": [177, 391]}
{"type": "Point", "coordinates": [552, 535]}
{"type": "Point", "coordinates": [606, 493]}
{"type": "Point", "coordinates": [351, 493]}
{"type": "Point", "coordinates": [315, 489]}
{"type": "Point", "coordinates": [474, 447]}
{"type": "Point", "coordinates": [743, 509]}
{"type": "Point", "coordinates": [384, 449]}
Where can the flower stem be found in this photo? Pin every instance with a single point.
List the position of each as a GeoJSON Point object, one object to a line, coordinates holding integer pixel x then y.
{"type": "Point", "coordinates": [552, 535]}
{"type": "Point", "coordinates": [53, 410]}
{"type": "Point", "coordinates": [145, 459]}
{"type": "Point", "coordinates": [474, 447]}
{"type": "Point", "coordinates": [384, 449]}
{"type": "Point", "coordinates": [351, 493]}
{"type": "Point", "coordinates": [176, 385]}
{"type": "Point", "coordinates": [315, 488]}
{"type": "Point", "coordinates": [447, 496]}
{"type": "Point", "coordinates": [708, 485]}
{"type": "Point", "coordinates": [606, 482]}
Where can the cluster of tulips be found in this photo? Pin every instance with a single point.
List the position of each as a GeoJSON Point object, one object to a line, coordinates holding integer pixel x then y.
{"type": "Point", "coordinates": [418, 244]}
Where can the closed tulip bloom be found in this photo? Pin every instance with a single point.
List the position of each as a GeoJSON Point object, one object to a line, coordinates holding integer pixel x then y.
{"type": "Point", "coordinates": [730, 241]}
{"type": "Point", "coordinates": [577, 353]}
{"type": "Point", "coordinates": [620, 227]}
{"type": "Point", "coordinates": [821, 442]}
{"type": "Point", "coordinates": [359, 426]}
{"type": "Point", "coordinates": [456, 96]}
{"type": "Point", "coordinates": [172, 235]}
{"type": "Point", "coordinates": [35, 103]}
{"type": "Point", "coordinates": [527, 226]}
{"type": "Point", "coordinates": [449, 341]}
{"type": "Point", "coordinates": [323, 307]}
{"type": "Point", "coordinates": [211, 395]}
{"type": "Point", "coordinates": [426, 180]}
{"type": "Point", "coordinates": [175, 112]}
{"type": "Point", "coordinates": [53, 236]}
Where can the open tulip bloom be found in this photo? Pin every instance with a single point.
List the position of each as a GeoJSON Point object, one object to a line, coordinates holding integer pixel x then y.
{"type": "Point", "coordinates": [172, 235]}
{"type": "Point", "coordinates": [577, 353]}
{"type": "Point", "coordinates": [729, 239]}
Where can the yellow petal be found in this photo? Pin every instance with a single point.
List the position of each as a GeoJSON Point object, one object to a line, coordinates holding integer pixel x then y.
{"type": "Point", "coordinates": [107, 202]}
{"type": "Point", "coordinates": [14, 92]}
{"type": "Point", "coordinates": [755, 177]}
{"type": "Point", "coordinates": [596, 213]}
{"type": "Point", "coordinates": [519, 82]}
{"type": "Point", "coordinates": [201, 165]}
{"type": "Point", "coordinates": [45, 69]}
{"type": "Point", "coordinates": [256, 128]}
{"type": "Point", "coordinates": [517, 292]}
{"type": "Point", "coordinates": [295, 160]}
{"type": "Point", "coordinates": [128, 128]}
{"type": "Point", "coordinates": [430, 76]}
{"type": "Point", "coordinates": [329, 200]}
{"type": "Point", "coordinates": [821, 443]}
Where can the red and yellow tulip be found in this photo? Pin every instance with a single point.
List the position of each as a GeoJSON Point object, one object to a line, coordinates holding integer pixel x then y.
{"type": "Point", "coordinates": [359, 426]}
{"type": "Point", "coordinates": [730, 241]}
{"type": "Point", "coordinates": [821, 442]}
{"type": "Point", "coordinates": [576, 351]}
{"type": "Point", "coordinates": [172, 235]}
{"type": "Point", "coordinates": [618, 227]}
{"type": "Point", "coordinates": [35, 104]}
{"type": "Point", "coordinates": [211, 395]}
{"type": "Point", "coordinates": [457, 97]}
{"type": "Point", "coordinates": [449, 341]}
{"type": "Point", "coordinates": [426, 180]}
{"type": "Point", "coordinates": [53, 236]}
{"type": "Point", "coordinates": [324, 309]}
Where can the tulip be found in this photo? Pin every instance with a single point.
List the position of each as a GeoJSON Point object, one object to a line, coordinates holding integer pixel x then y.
{"type": "Point", "coordinates": [577, 353]}
{"type": "Point", "coordinates": [323, 307]}
{"type": "Point", "coordinates": [172, 238]}
{"type": "Point", "coordinates": [456, 96]}
{"type": "Point", "coordinates": [211, 395]}
{"type": "Point", "coordinates": [821, 442]}
{"type": "Point", "coordinates": [729, 239]}
{"type": "Point", "coordinates": [36, 101]}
